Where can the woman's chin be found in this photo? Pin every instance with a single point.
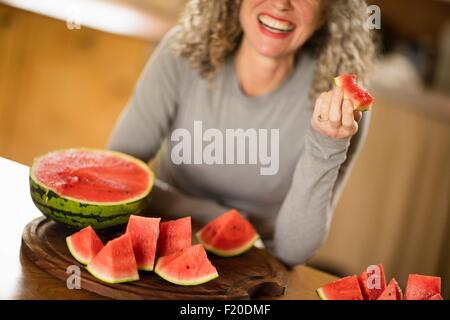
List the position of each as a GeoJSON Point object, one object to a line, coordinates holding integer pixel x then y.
{"type": "Point", "coordinates": [272, 51]}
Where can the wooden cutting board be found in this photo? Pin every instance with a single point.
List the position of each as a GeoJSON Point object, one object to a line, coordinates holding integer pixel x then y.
{"type": "Point", "coordinates": [250, 275]}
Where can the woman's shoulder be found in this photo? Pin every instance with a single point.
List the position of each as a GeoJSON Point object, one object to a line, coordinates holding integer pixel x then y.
{"type": "Point", "coordinates": [165, 54]}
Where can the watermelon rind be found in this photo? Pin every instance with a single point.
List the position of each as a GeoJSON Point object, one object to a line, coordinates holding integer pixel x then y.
{"type": "Point", "coordinates": [74, 253]}
{"type": "Point", "coordinates": [80, 213]}
{"type": "Point", "coordinates": [228, 253]}
{"type": "Point", "coordinates": [321, 294]}
{"type": "Point", "coordinates": [195, 282]}
{"type": "Point", "coordinates": [106, 279]}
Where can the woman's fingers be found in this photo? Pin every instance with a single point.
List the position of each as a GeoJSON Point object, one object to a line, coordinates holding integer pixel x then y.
{"type": "Point", "coordinates": [334, 115]}
{"type": "Point", "coordinates": [358, 116]}
{"type": "Point", "coordinates": [325, 107]}
{"type": "Point", "coordinates": [336, 108]}
{"type": "Point", "coordinates": [348, 120]}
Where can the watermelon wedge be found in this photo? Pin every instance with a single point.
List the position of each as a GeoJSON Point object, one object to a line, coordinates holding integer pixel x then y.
{"type": "Point", "coordinates": [436, 297]}
{"type": "Point", "coordinates": [362, 100]}
{"type": "Point", "coordinates": [187, 267]}
{"type": "Point", "coordinates": [420, 287]}
{"type": "Point", "coordinates": [174, 236]}
{"type": "Point", "coordinates": [228, 235]}
{"type": "Point", "coordinates": [372, 282]}
{"type": "Point", "coordinates": [392, 292]}
{"type": "Point", "coordinates": [144, 232]}
{"type": "Point", "coordinates": [89, 187]}
{"type": "Point", "coordinates": [115, 263]}
{"type": "Point", "coordinates": [84, 245]}
{"type": "Point", "coordinates": [343, 289]}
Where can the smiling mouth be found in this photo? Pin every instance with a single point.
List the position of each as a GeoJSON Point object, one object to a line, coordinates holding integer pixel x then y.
{"type": "Point", "coordinates": [275, 25]}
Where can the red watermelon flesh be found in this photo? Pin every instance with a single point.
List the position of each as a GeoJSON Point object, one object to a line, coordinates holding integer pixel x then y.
{"type": "Point", "coordinates": [228, 235]}
{"type": "Point", "coordinates": [97, 176]}
{"type": "Point", "coordinates": [343, 289]}
{"type": "Point", "coordinates": [115, 263]}
{"type": "Point", "coordinates": [362, 100]}
{"type": "Point", "coordinates": [187, 267]}
{"type": "Point", "coordinates": [174, 236]}
{"type": "Point", "coordinates": [144, 232]}
{"type": "Point", "coordinates": [392, 292]}
{"type": "Point", "coordinates": [436, 297]}
{"type": "Point", "coordinates": [420, 287]}
{"type": "Point", "coordinates": [368, 281]}
{"type": "Point", "coordinates": [84, 245]}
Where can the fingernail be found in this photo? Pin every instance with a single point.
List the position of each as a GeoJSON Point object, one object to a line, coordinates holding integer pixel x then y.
{"type": "Point", "coordinates": [337, 91]}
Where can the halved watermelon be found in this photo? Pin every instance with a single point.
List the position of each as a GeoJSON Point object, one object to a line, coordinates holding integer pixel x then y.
{"type": "Point", "coordinates": [420, 287]}
{"type": "Point", "coordinates": [82, 187]}
{"type": "Point", "coordinates": [174, 236]}
{"type": "Point", "coordinates": [144, 232]}
{"type": "Point", "coordinates": [228, 235]}
{"type": "Point", "coordinates": [115, 263]}
{"type": "Point", "coordinates": [436, 297]}
{"type": "Point", "coordinates": [392, 292]}
{"type": "Point", "coordinates": [362, 100]}
{"type": "Point", "coordinates": [372, 282]}
{"type": "Point", "coordinates": [343, 289]}
{"type": "Point", "coordinates": [187, 267]}
{"type": "Point", "coordinates": [84, 245]}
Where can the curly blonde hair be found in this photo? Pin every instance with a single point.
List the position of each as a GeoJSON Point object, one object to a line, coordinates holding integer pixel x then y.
{"type": "Point", "coordinates": [210, 31]}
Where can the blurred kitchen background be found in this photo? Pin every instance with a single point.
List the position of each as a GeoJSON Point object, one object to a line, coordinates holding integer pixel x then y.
{"type": "Point", "coordinates": [61, 86]}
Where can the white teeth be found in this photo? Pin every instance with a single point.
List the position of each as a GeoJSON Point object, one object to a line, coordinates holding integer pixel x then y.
{"type": "Point", "coordinates": [274, 24]}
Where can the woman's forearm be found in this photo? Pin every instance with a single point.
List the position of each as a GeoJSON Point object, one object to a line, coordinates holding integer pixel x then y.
{"type": "Point", "coordinates": [305, 215]}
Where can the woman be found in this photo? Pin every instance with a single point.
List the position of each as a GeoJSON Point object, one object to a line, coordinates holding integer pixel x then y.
{"type": "Point", "coordinates": [255, 64]}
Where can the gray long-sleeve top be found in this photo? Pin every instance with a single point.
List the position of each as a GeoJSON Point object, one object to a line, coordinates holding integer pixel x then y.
{"type": "Point", "coordinates": [290, 207]}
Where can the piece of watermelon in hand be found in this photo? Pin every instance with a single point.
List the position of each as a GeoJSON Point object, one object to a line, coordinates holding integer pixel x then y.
{"type": "Point", "coordinates": [420, 287]}
{"type": "Point", "coordinates": [372, 282]}
{"type": "Point", "coordinates": [361, 99]}
{"type": "Point", "coordinates": [392, 292]}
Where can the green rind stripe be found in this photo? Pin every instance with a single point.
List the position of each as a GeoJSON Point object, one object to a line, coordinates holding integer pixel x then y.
{"type": "Point", "coordinates": [181, 282]}
{"type": "Point", "coordinates": [106, 279]}
{"type": "Point", "coordinates": [227, 253]}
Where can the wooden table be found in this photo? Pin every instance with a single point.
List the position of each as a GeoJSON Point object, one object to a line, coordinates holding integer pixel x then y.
{"type": "Point", "coordinates": [21, 279]}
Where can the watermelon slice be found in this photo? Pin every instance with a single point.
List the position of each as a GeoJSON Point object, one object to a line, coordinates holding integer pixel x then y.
{"type": "Point", "coordinates": [421, 287]}
{"type": "Point", "coordinates": [89, 187]}
{"type": "Point", "coordinates": [228, 235]}
{"type": "Point", "coordinates": [392, 292]}
{"type": "Point", "coordinates": [362, 100]}
{"type": "Point", "coordinates": [84, 245]}
{"type": "Point", "coordinates": [115, 263]}
{"type": "Point", "coordinates": [436, 297]}
{"type": "Point", "coordinates": [174, 236]}
{"type": "Point", "coordinates": [343, 289]}
{"type": "Point", "coordinates": [370, 279]}
{"type": "Point", "coordinates": [144, 232]}
{"type": "Point", "coordinates": [187, 267]}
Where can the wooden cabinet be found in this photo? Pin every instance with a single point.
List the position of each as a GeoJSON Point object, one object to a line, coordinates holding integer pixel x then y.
{"type": "Point", "coordinates": [59, 87]}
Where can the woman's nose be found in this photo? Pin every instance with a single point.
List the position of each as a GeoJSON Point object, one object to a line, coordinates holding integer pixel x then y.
{"type": "Point", "coordinates": [282, 5]}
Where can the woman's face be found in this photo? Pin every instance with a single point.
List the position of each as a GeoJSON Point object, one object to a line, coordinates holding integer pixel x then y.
{"type": "Point", "coordinates": [275, 28]}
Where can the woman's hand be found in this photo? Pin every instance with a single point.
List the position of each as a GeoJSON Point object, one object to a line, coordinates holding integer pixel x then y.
{"type": "Point", "coordinates": [334, 116]}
